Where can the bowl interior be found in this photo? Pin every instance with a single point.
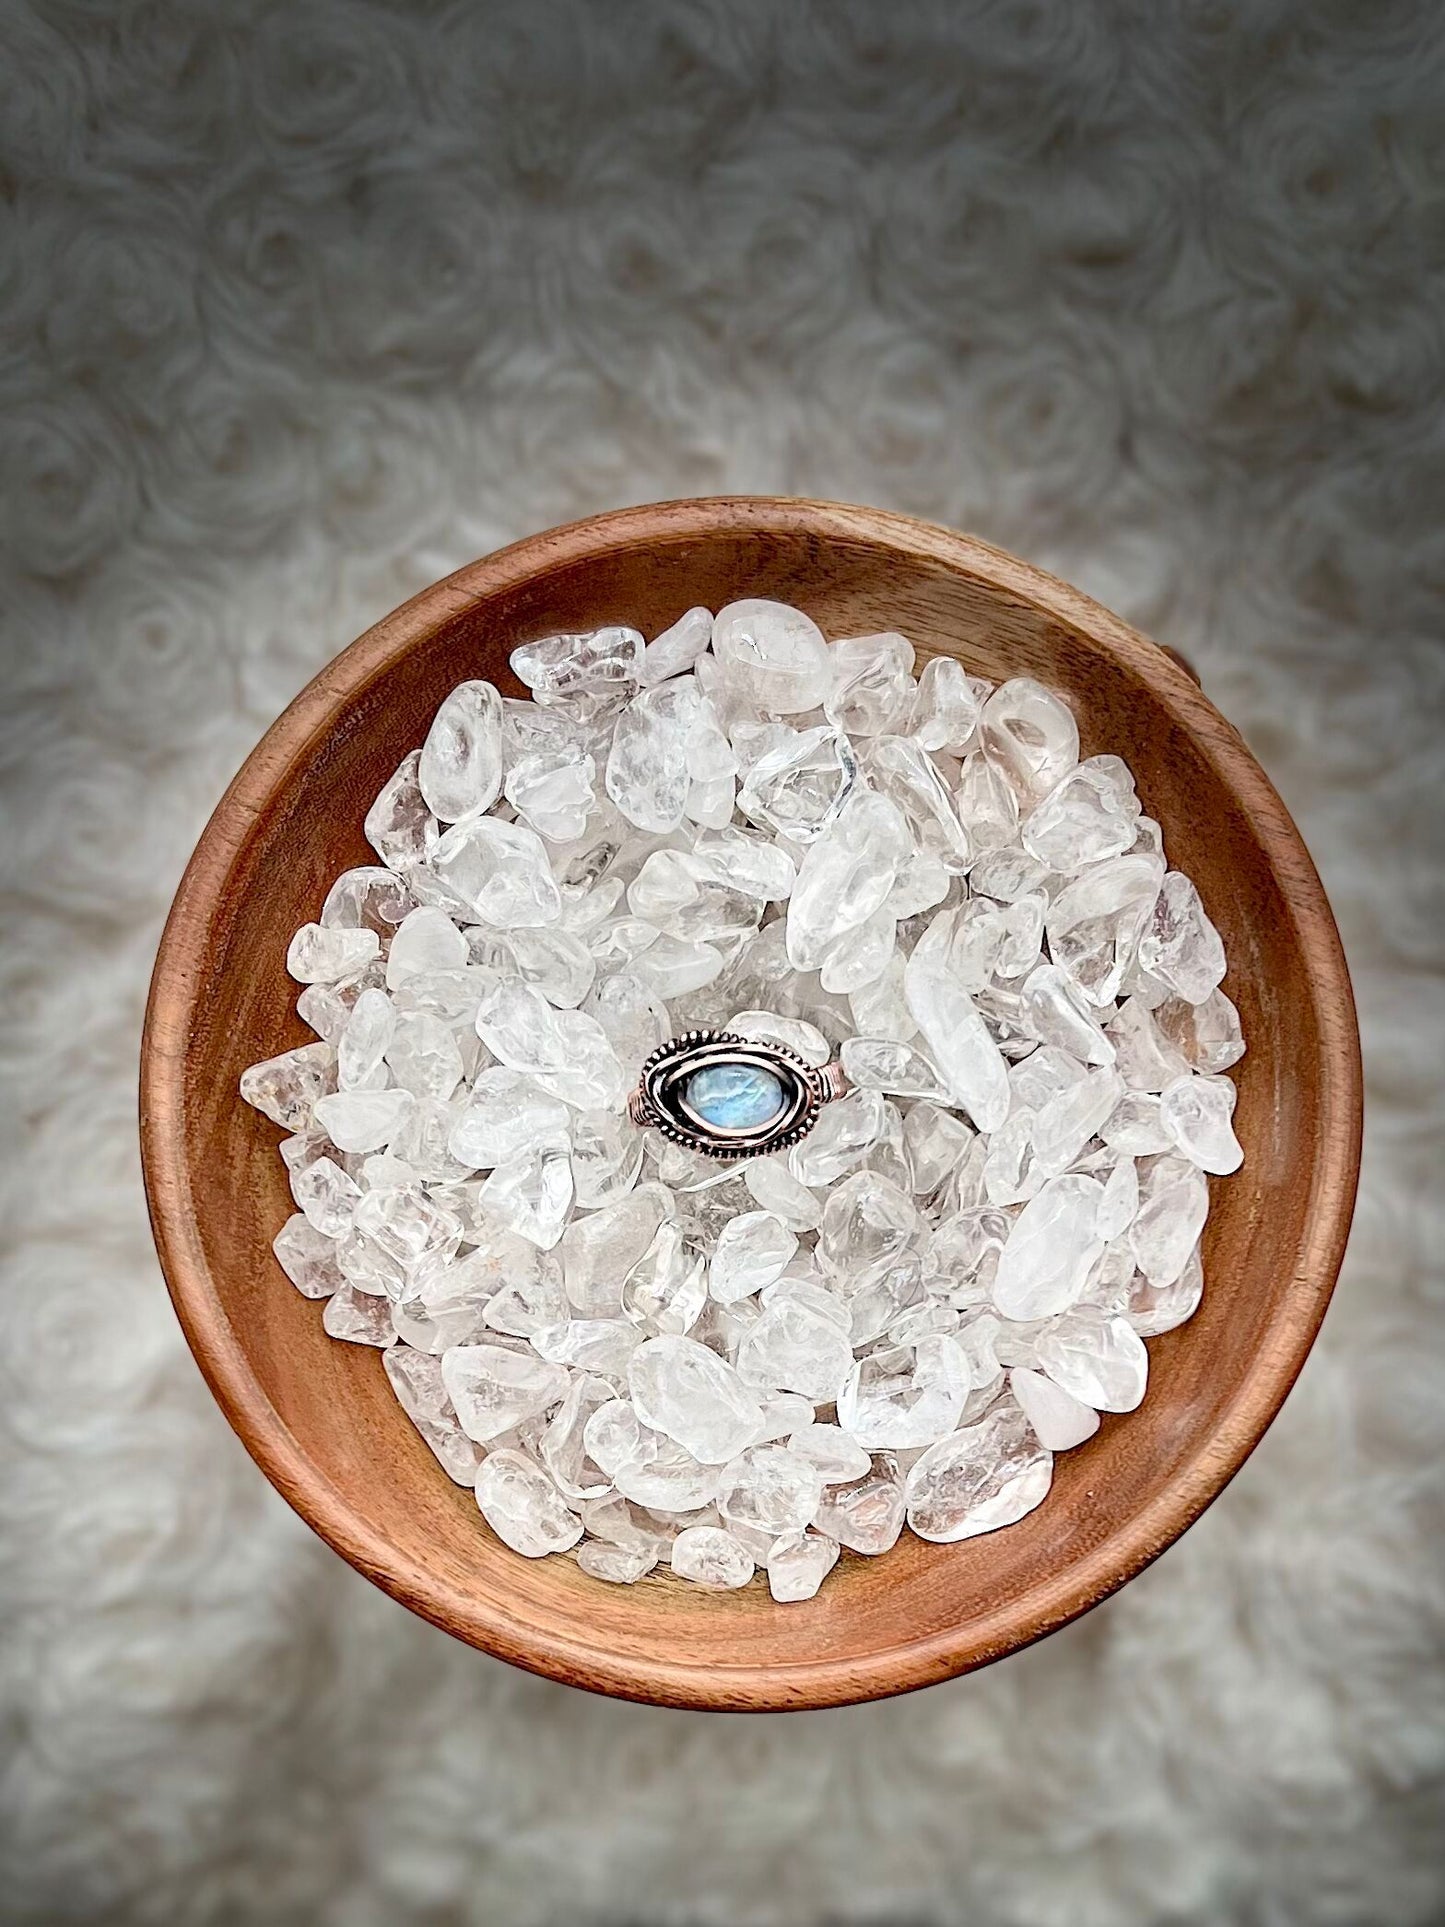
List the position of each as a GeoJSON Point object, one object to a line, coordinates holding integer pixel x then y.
{"type": "Point", "coordinates": [319, 1415]}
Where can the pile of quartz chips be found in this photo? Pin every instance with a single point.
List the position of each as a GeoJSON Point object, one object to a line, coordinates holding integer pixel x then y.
{"type": "Point", "coordinates": [643, 1355]}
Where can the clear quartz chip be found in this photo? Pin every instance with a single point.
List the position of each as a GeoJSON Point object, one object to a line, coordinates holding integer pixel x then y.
{"type": "Point", "coordinates": [987, 1475]}
{"type": "Point", "coordinates": [710, 1556]}
{"type": "Point", "coordinates": [956, 1034]}
{"type": "Point", "coordinates": [799, 784]}
{"type": "Point", "coordinates": [553, 791]}
{"type": "Point", "coordinates": [675, 651]}
{"type": "Point", "coordinates": [772, 657]}
{"type": "Point", "coordinates": [399, 826]}
{"type": "Point", "coordinates": [592, 664]}
{"type": "Point", "coordinates": [494, 1388]}
{"type": "Point", "coordinates": [1052, 1246]}
{"type": "Point", "coordinates": [307, 1257]}
{"type": "Point", "coordinates": [1196, 1112]}
{"type": "Point", "coordinates": [1096, 1357]}
{"type": "Point", "coordinates": [1032, 736]}
{"type": "Point", "coordinates": [460, 771]}
{"type": "Point", "coordinates": [845, 876]}
{"type": "Point", "coordinates": [681, 1388]}
{"type": "Point", "coordinates": [769, 1489]}
{"type": "Point", "coordinates": [946, 708]}
{"type": "Point", "coordinates": [798, 1563]}
{"type": "Point", "coordinates": [751, 1251]}
{"type": "Point", "coordinates": [416, 1379]}
{"type": "Point", "coordinates": [866, 1515]}
{"type": "Point", "coordinates": [1059, 1420]}
{"type": "Point", "coordinates": [323, 954]}
{"type": "Point", "coordinates": [523, 1507]}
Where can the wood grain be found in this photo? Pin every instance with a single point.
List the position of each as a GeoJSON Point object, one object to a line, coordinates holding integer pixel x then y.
{"type": "Point", "coordinates": [318, 1417]}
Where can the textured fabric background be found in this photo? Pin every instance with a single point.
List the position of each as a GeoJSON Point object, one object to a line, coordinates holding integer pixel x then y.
{"type": "Point", "coordinates": [305, 304]}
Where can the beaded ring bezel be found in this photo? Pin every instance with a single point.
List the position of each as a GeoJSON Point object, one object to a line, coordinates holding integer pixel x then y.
{"type": "Point", "coordinates": [658, 1099]}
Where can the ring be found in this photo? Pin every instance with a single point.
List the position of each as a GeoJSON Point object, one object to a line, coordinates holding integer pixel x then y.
{"type": "Point", "coordinates": [730, 1096]}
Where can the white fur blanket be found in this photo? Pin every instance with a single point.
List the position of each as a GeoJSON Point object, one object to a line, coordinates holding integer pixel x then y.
{"type": "Point", "coordinates": [302, 305]}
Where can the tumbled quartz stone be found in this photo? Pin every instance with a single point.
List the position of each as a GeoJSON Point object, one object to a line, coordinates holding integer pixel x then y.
{"type": "Point", "coordinates": [669, 1480]}
{"type": "Point", "coordinates": [416, 1378]}
{"type": "Point", "coordinates": [399, 826]}
{"type": "Point", "coordinates": [507, 1114]}
{"type": "Point", "coordinates": [906, 773]}
{"type": "Point", "coordinates": [906, 1397]}
{"type": "Point", "coordinates": [751, 1251]}
{"type": "Point", "coordinates": [1060, 1421]}
{"type": "Point", "coordinates": [873, 687]}
{"type": "Point", "coordinates": [956, 1034]}
{"type": "Point", "coordinates": [772, 656]}
{"type": "Point", "coordinates": [845, 1133]}
{"type": "Point", "coordinates": [423, 1055]}
{"type": "Point", "coordinates": [426, 940]}
{"type": "Point", "coordinates": [1173, 1204]}
{"type": "Point", "coordinates": [799, 784]}
{"type": "Point", "coordinates": [666, 1290]}
{"type": "Point", "coordinates": [1207, 1034]}
{"type": "Point", "coordinates": [946, 708]}
{"type": "Point", "coordinates": [286, 1087]}
{"type": "Point", "coordinates": [866, 1516]}
{"type": "Point", "coordinates": [837, 1458]}
{"type": "Point", "coordinates": [566, 1051]}
{"type": "Point", "coordinates": [1052, 1246]}
{"type": "Point", "coordinates": [1180, 948]}
{"type": "Point", "coordinates": [793, 1033]}
{"type": "Point", "coordinates": [769, 1489]}
{"type": "Point", "coordinates": [845, 875]}
{"type": "Point", "coordinates": [600, 1248]}
{"type": "Point", "coordinates": [647, 774]}
{"type": "Point", "coordinates": [1096, 1357]}
{"type": "Point", "coordinates": [1031, 735]}
{"type": "Point", "coordinates": [499, 871]}
{"type": "Point", "coordinates": [360, 1317]}
{"type": "Point", "coordinates": [681, 1388]}
{"type": "Point", "coordinates": [366, 899]}
{"type": "Point", "coordinates": [326, 1195]}
{"type": "Point", "coordinates": [1152, 1309]}
{"type": "Point", "coordinates": [677, 648]}
{"type": "Point", "coordinates": [553, 792]}
{"type": "Point", "coordinates": [531, 1194]}
{"type": "Point", "coordinates": [364, 1040]}
{"type": "Point", "coordinates": [1119, 1204]}
{"type": "Point", "coordinates": [619, 1565]}
{"type": "Point", "coordinates": [1147, 1060]}
{"type": "Point", "coordinates": [868, 1224]}
{"type": "Point", "coordinates": [322, 954]}
{"type": "Point", "coordinates": [363, 1120]}
{"type": "Point", "coordinates": [1066, 1122]}
{"type": "Point", "coordinates": [880, 1064]}
{"type": "Point", "coordinates": [1089, 816]}
{"type": "Point", "coordinates": [593, 663]}
{"type": "Point", "coordinates": [793, 1347]}
{"type": "Point", "coordinates": [711, 1556]}
{"type": "Point", "coordinates": [460, 771]}
{"type": "Point", "coordinates": [860, 956]}
{"type": "Point", "coordinates": [1196, 1112]}
{"type": "Point", "coordinates": [774, 1189]}
{"type": "Point", "coordinates": [308, 1258]}
{"type": "Point", "coordinates": [798, 1563]}
{"type": "Point", "coordinates": [987, 1475]}
{"type": "Point", "coordinates": [494, 1388]}
{"type": "Point", "coordinates": [1056, 1012]}
{"type": "Point", "coordinates": [523, 1507]}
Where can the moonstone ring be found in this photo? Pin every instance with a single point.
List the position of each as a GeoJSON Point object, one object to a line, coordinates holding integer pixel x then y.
{"type": "Point", "coordinates": [731, 1097]}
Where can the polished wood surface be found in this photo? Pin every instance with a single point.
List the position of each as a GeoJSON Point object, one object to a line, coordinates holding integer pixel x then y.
{"type": "Point", "coordinates": [318, 1416]}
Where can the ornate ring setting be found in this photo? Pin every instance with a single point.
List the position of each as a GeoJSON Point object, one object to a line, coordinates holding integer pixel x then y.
{"type": "Point", "coordinates": [731, 1097]}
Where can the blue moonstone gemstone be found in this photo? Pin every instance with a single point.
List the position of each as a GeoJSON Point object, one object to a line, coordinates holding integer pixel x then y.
{"type": "Point", "coordinates": [734, 1097]}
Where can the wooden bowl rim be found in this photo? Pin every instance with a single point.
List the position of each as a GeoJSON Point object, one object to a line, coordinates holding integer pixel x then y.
{"type": "Point", "coordinates": [1059, 1597]}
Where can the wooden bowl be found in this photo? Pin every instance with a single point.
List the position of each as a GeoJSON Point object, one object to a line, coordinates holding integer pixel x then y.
{"type": "Point", "coordinates": [318, 1416]}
